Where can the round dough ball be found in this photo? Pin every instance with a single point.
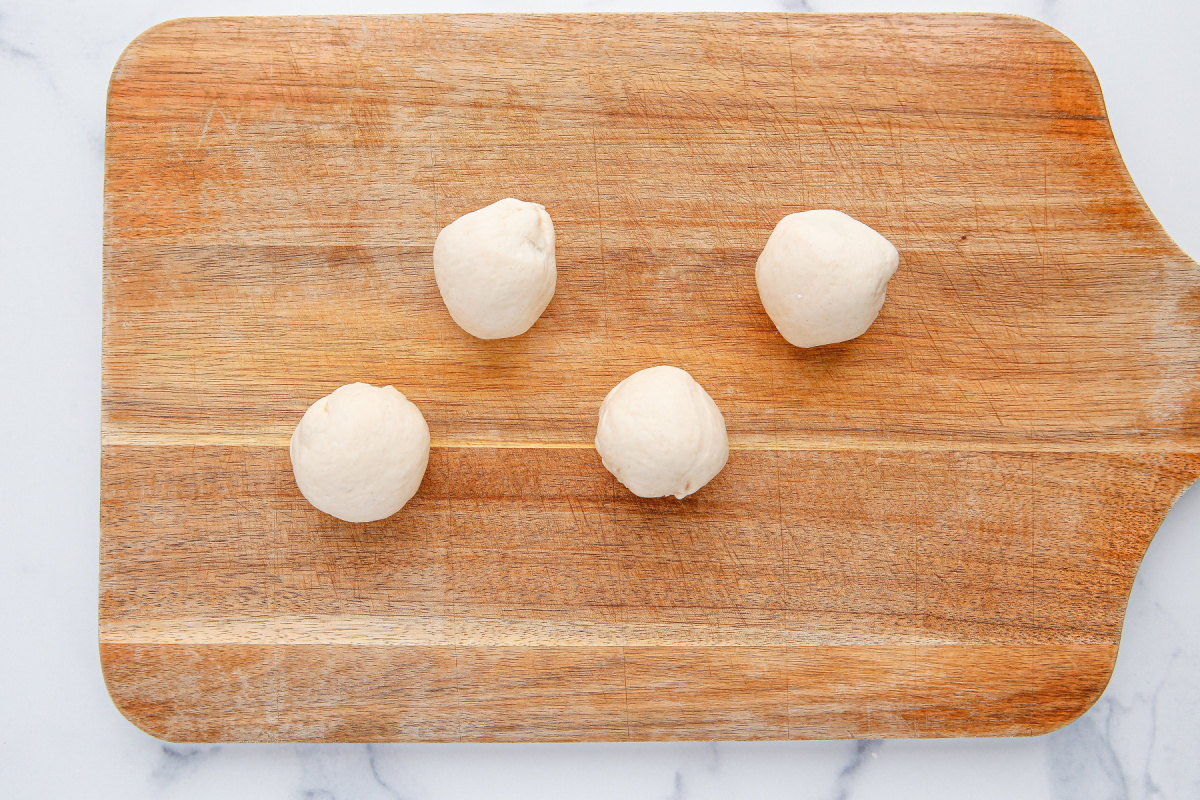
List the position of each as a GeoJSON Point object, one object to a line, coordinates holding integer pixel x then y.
{"type": "Point", "coordinates": [495, 268]}
{"type": "Point", "coordinates": [823, 276]}
{"type": "Point", "coordinates": [660, 433]}
{"type": "Point", "coordinates": [360, 453]}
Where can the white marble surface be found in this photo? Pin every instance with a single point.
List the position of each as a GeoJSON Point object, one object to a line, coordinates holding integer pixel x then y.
{"type": "Point", "coordinates": [61, 737]}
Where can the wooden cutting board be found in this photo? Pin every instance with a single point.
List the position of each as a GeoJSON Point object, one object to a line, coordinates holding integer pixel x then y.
{"type": "Point", "coordinates": [931, 530]}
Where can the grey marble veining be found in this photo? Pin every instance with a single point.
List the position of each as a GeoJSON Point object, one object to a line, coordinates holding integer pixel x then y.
{"type": "Point", "coordinates": [60, 735]}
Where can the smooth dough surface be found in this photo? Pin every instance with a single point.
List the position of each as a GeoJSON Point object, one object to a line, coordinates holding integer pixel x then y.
{"type": "Point", "coordinates": [495, 268]}
{"type": "Point", "coordinates": [823, 277]}
{"type": "Point", "coordinates": [661, 434]}
{"type": "Point", "coordinates": [359, 454]}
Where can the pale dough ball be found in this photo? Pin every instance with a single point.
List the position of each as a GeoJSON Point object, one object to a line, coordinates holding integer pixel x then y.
{"type": "Point", "coordinates": [360, 453]}
{"type": "Point", "coordinates": [660, 433]}
{"type": "Point", "coordinates": [495, 268]}
{"type": "Point", "coordinates": [823, 276]}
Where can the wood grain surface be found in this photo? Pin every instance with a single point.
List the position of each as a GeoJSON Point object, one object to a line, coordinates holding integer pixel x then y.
{"type": "Point", "coordinates": [931, 530]}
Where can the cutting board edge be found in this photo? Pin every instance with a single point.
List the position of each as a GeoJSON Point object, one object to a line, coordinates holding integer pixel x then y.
{"type": "Point", "coordinates": [671, 726]}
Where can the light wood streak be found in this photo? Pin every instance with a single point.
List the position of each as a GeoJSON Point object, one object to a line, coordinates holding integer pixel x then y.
{"type": "Point", "coordinates": [736, 444]}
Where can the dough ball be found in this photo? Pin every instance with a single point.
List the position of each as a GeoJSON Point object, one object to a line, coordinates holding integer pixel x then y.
{"type": "Point", "coordinates": [360, 453]}
{"type": "Point", "coordinates": [660, 433]}
{"type": "Point", "coordinates": [822, 277]}
{"type": "Point", "coordinates": [495, 268]}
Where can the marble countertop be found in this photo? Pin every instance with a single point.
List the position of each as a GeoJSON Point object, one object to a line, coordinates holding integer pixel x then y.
{"type": "Point", "coordinates": [60, 736]}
